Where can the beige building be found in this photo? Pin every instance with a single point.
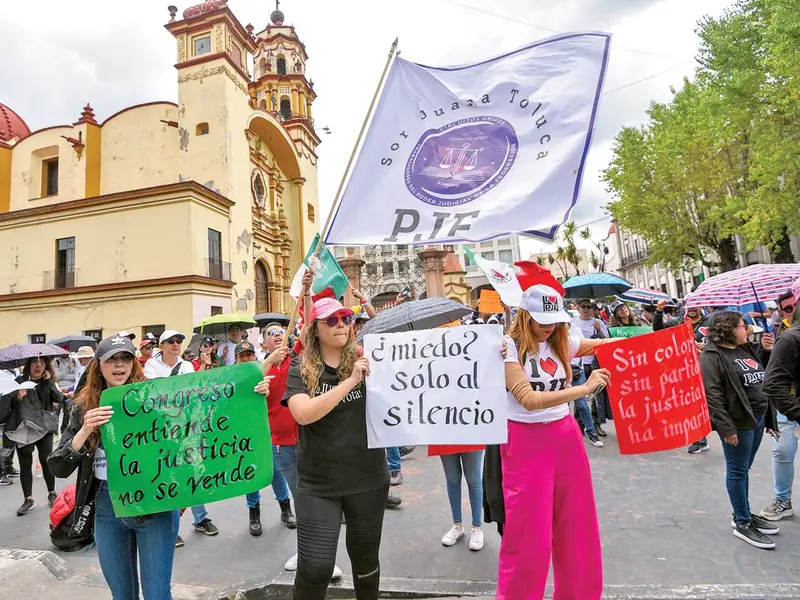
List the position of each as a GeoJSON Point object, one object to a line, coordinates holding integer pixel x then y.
{"type": "Point", "coordinates": [163, 213]}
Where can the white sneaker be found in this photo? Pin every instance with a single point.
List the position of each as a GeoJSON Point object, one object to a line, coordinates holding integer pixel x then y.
{"type": "Point", "coordinates": [451, 537]}
{"type": "Point", "coordinates": [476, 538]}
{"type": "Point", "coordinates": [291, 564]}
{"type": "Point", "coordinates": [337, 573]}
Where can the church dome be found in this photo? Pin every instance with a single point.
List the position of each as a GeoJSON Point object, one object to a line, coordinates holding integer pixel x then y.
{"type": "Point", "coordinates": [12, 125]}
{"type": "Point", "coordinates": [277, 17]}
{"type": "Point", "coordinates": [205, 7]}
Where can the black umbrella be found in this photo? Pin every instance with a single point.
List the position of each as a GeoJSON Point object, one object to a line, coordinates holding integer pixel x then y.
{"type": "Point", "coordinates": [73, 342]}
{"type": "Point", "coordinates": [265, 318]}
{"type": "Point", "coordinates": [17, 355]}
{"type": "Point", "coordinates": [415, 314]}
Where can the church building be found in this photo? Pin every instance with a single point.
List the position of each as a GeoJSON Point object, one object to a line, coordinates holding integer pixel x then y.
{"type": "Point", "coordinates": [162, 214]}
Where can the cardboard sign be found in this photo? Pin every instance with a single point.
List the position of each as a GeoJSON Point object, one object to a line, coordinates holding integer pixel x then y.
{"type": "Point", "coordinates": [490, 302]}
{"type": "Point", "coordinates": [186, 440]}
{"type": "Point", "coordinates": [656, 390]}
{"type": "Point", "coordinates": [629, 331]}
{"type": "Point", "coordinates": [436, 386]}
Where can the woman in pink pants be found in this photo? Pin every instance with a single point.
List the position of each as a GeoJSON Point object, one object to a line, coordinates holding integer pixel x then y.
{"type": "Point", "coordinates": [547, 484]}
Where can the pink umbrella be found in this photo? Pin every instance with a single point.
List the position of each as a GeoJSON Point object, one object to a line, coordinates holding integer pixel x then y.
{"type": "Point", "coordinates": [748, 285]}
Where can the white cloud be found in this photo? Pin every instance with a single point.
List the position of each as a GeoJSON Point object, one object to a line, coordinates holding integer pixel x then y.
{"type": "Point", "coordinates": [115, 55]}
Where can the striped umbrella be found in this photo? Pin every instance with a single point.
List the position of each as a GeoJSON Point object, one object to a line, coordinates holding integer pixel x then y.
{"type": "Point", "coordinates": [645, 296]}
{"type": "Point", "coordinates": [748, 285]}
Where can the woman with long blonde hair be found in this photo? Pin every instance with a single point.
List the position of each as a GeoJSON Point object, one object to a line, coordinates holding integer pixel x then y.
{"type": "Point", "coordinates": [337, 473]}
{"type": "Point", "coordinates": [547, 483]}
{"type": "Point", "coordinates": [121, 542]}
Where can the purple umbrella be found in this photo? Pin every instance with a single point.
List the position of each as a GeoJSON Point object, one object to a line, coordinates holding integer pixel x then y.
{"type": "Point", "coordinates": [16, 355]}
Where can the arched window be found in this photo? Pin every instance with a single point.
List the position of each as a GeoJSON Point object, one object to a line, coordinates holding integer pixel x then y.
{"type": "Point", "coordinates": [286, 109]}
{"type": "Point", "coordinates": [262, 64]}
{"type": "Point", "coordinates": [201, 129]}
{"type": "Point", "coordinates": [263, 303]}
{"type": "Point", "coordinates": [262, 103]}
{"type": "Point", "coordinates": [281, 65]}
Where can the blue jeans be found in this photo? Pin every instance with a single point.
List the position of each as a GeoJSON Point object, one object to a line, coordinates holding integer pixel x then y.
{"type": "Point", "coordinates": [284, 478]}
{"type": "Point", "coordinates": [472, 468]}
{"type": "Point", "coordinates": [393, 458]}
{"type": "Point", "coordinates": [199, 514]}
{"type": "Point", "coordinates": [738, 460]}
{"type": "Point", "coordinates": [120, 541]}
{"type": "Point", "coordinates": [584, 410]}
{"type": "Point", "coordinates": [783, 452]}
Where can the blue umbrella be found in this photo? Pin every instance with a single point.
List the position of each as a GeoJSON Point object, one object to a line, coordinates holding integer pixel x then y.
{"type": "Point", "coordinates": [595, 285]}
{"type": "Point", "coordinates": [645, 296]}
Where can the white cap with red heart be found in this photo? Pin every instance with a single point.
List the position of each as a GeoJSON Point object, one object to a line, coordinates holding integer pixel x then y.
{"type": "Point", "coordinates": [545, 305]}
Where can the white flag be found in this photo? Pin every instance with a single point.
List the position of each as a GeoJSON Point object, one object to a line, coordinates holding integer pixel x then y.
{"type": "Point", "coordinates": [473, 152]}
{"type": "Point", "coordinates": [501, 276]}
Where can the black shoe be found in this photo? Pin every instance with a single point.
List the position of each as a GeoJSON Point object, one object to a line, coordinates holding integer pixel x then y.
{"type": "Point", "coordinates": [207, 527]}
{"type": "Point", "coordinates": [51, 498]}
{"type": "Point", "coordinates": [255, 520]}
{"type": "Point", "coordinates": [595, 441]}
{"type": "Point", "coordinates": [287, 516]}
{"type": "Point", "coordinates": [764, 526]}
{"type": "Point", "coordinates": [12, 472]}
{"type": "Point", "coordinates": [26, 507]}
{"type": "Point", "coordinates": [599, 430]}
{"type": "Point", "coordinates": [698, 447]}
{"type": "Point", "coordinates": [406, 450]}
{"type": "Point", "coordinates": [753, 536]}
{"type": "Point", "coordinates": [393, 501]}
{"type": "Point", "coordinates": [5, 480]}
{"type": "Point", "coordinates": [179, 543]}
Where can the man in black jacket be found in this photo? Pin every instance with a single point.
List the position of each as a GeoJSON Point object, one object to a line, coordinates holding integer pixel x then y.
{"type": "Point", "coordinates": [700, 326]}
{"type": "Point", "coordinates": [781, 385]}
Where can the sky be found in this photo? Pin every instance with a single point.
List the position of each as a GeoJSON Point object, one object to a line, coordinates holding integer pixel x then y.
{"type": "Point", "coordinates": [115, 54]}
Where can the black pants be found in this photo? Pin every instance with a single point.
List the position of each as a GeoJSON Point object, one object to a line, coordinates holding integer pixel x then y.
{"type": "Point", "coordinates": [44, 447]}
{"type": "Point", "coordinates": [319, 521]}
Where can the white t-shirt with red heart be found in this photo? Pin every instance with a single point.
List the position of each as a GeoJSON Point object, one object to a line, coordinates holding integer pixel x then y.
{"type": "Point", "coordinates": [546, 374]}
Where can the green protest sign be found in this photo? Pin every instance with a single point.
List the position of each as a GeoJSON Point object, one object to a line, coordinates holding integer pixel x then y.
{"type": "Point", "coordinates": [186, 440]}
{"type": "Point", "coordinates": [631, 331]}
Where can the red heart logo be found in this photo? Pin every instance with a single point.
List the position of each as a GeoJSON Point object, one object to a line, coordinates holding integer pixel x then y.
{"type": "Point", "coordinates": [552, 299]}
{"type": "Point", "coordinates": [751, 363]}
{"type": "Point", "coordinates": [549, 366]}
{"type": "Point", "coordinates": [703, 331]}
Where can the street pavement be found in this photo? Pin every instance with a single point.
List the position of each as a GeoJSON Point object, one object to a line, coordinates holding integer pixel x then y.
{"type": "Point", "coordinates": [664, 518]}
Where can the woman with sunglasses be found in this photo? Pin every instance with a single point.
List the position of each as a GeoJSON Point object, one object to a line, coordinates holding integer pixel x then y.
{"type": "Point", "coordinates": [31, 420]}
{"type": "Point", "coordinates": [121, 542]}
{"type": "Point", "coordinates": [547, 483]}
{"type": "Point", "coordinates": [208, 358]}
{"type": "Point", "coordinates": [336, 471]}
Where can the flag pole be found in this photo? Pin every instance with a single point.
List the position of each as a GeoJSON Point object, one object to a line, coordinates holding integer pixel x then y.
{"type": "Point", "coordinates": [336, 198]}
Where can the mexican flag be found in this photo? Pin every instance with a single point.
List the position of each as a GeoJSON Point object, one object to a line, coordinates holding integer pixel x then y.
{"type": "Point", "coordinates": [502, 277]}
{"type": "Point", "coordinates": [328, 273]}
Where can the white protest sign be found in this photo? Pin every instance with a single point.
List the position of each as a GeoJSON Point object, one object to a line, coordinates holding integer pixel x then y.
{"type": "Point", "coordinates": [436, 386]}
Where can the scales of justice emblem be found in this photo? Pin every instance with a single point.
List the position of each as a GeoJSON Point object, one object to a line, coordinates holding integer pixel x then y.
{"type": "Point", "coordinates": [461, 161]}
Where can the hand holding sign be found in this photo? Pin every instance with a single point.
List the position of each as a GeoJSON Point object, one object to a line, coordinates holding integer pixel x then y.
{"type": "Point", "coordinates": [598, 379]}
{"type": "Point", "coordinates": [360, 371]}
{"type": "Point", "coordinates": [96, 417]}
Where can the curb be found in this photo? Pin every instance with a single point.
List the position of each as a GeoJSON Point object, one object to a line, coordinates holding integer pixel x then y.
{"type": "Point", "coordinates": [49, 560]}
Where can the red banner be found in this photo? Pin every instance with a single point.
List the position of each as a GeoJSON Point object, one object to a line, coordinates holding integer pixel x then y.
{"type": "Point", "coordinates": [444, 449]}
{"type": "Point", "coordinates": [656, 390]}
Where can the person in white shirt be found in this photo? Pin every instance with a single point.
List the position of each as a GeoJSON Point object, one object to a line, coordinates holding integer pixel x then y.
{"type": "Point", "coordinates": [587, 327]}
{"type": "Point", "coordinates": [271, 338]}
{"type": "Point", "coordinates": [168, 364]}
{"type": "Point", "coordinates": [550, 510]}
{"type": "Point", "coordinates": [227, 350]}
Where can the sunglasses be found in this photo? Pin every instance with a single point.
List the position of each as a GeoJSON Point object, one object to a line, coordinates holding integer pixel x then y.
{"type": "Point", "coordinates": [172, 341]}
{"type": "Point", "coordinates": [586, 306]}
{"type": "Point", "coordinates": [274, 332]}
{"type": "Point", "coordinates": [147, 347]}
{"type": "Point", "coordinates": [788, 308]}
{"type": "Point", "coordinates": [334, 320]}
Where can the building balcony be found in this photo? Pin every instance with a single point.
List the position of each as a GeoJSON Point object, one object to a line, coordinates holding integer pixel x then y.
{"type": "Point", "coordinates": [285, 116]}
{"type": "Point", "coordinates": [218, 269]}
{"type": "Point", "coordinates": [634, 258]}
{"type": "Point", "coordinates": [59, 279]}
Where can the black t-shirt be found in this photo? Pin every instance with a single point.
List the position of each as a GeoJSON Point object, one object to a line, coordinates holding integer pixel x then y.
{"type": "Point", "coordinates": [332, 455]}
{"type": "Point", "coordinates": [750, 374]}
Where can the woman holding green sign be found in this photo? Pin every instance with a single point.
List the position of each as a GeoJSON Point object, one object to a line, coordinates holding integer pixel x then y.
{"type": "Point", "coordinates": [336, 471]}
{"type": "Point", "coordinates": [121, 542]}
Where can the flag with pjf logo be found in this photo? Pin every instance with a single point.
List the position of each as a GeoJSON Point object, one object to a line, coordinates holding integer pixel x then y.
{"type": "Point", "coordinates": [473, 152]}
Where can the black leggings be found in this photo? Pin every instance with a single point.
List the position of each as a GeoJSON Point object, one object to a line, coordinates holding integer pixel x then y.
{"type": "Point", "coordinates": [319, 521]}
{"type": "Point", "coordinates": [45, 447]}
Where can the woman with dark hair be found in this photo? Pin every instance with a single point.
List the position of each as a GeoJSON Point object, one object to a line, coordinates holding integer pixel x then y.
{"type": "Point", "coordinates": [732, 372]}
{"type": "Point", "coordinates": [547, 483]}
{"type": "Point", "coordinates": [31, 420]}
{"type": "Point", "coordinates": [208, 358]}
{"type": "Point", "coordinates": [337, 473]}
{"type": "Point", "coordinates": [121, 542]}
{"type": "Point", "coordinates": [621, 316]}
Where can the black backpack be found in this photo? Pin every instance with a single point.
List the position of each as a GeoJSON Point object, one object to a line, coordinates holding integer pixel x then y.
{"type": "Point", "coordinates": [74, 531]}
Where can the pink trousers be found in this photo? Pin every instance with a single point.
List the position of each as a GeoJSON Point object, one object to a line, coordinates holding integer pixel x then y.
{"type": "Point", "coordinates": [550, 511]}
